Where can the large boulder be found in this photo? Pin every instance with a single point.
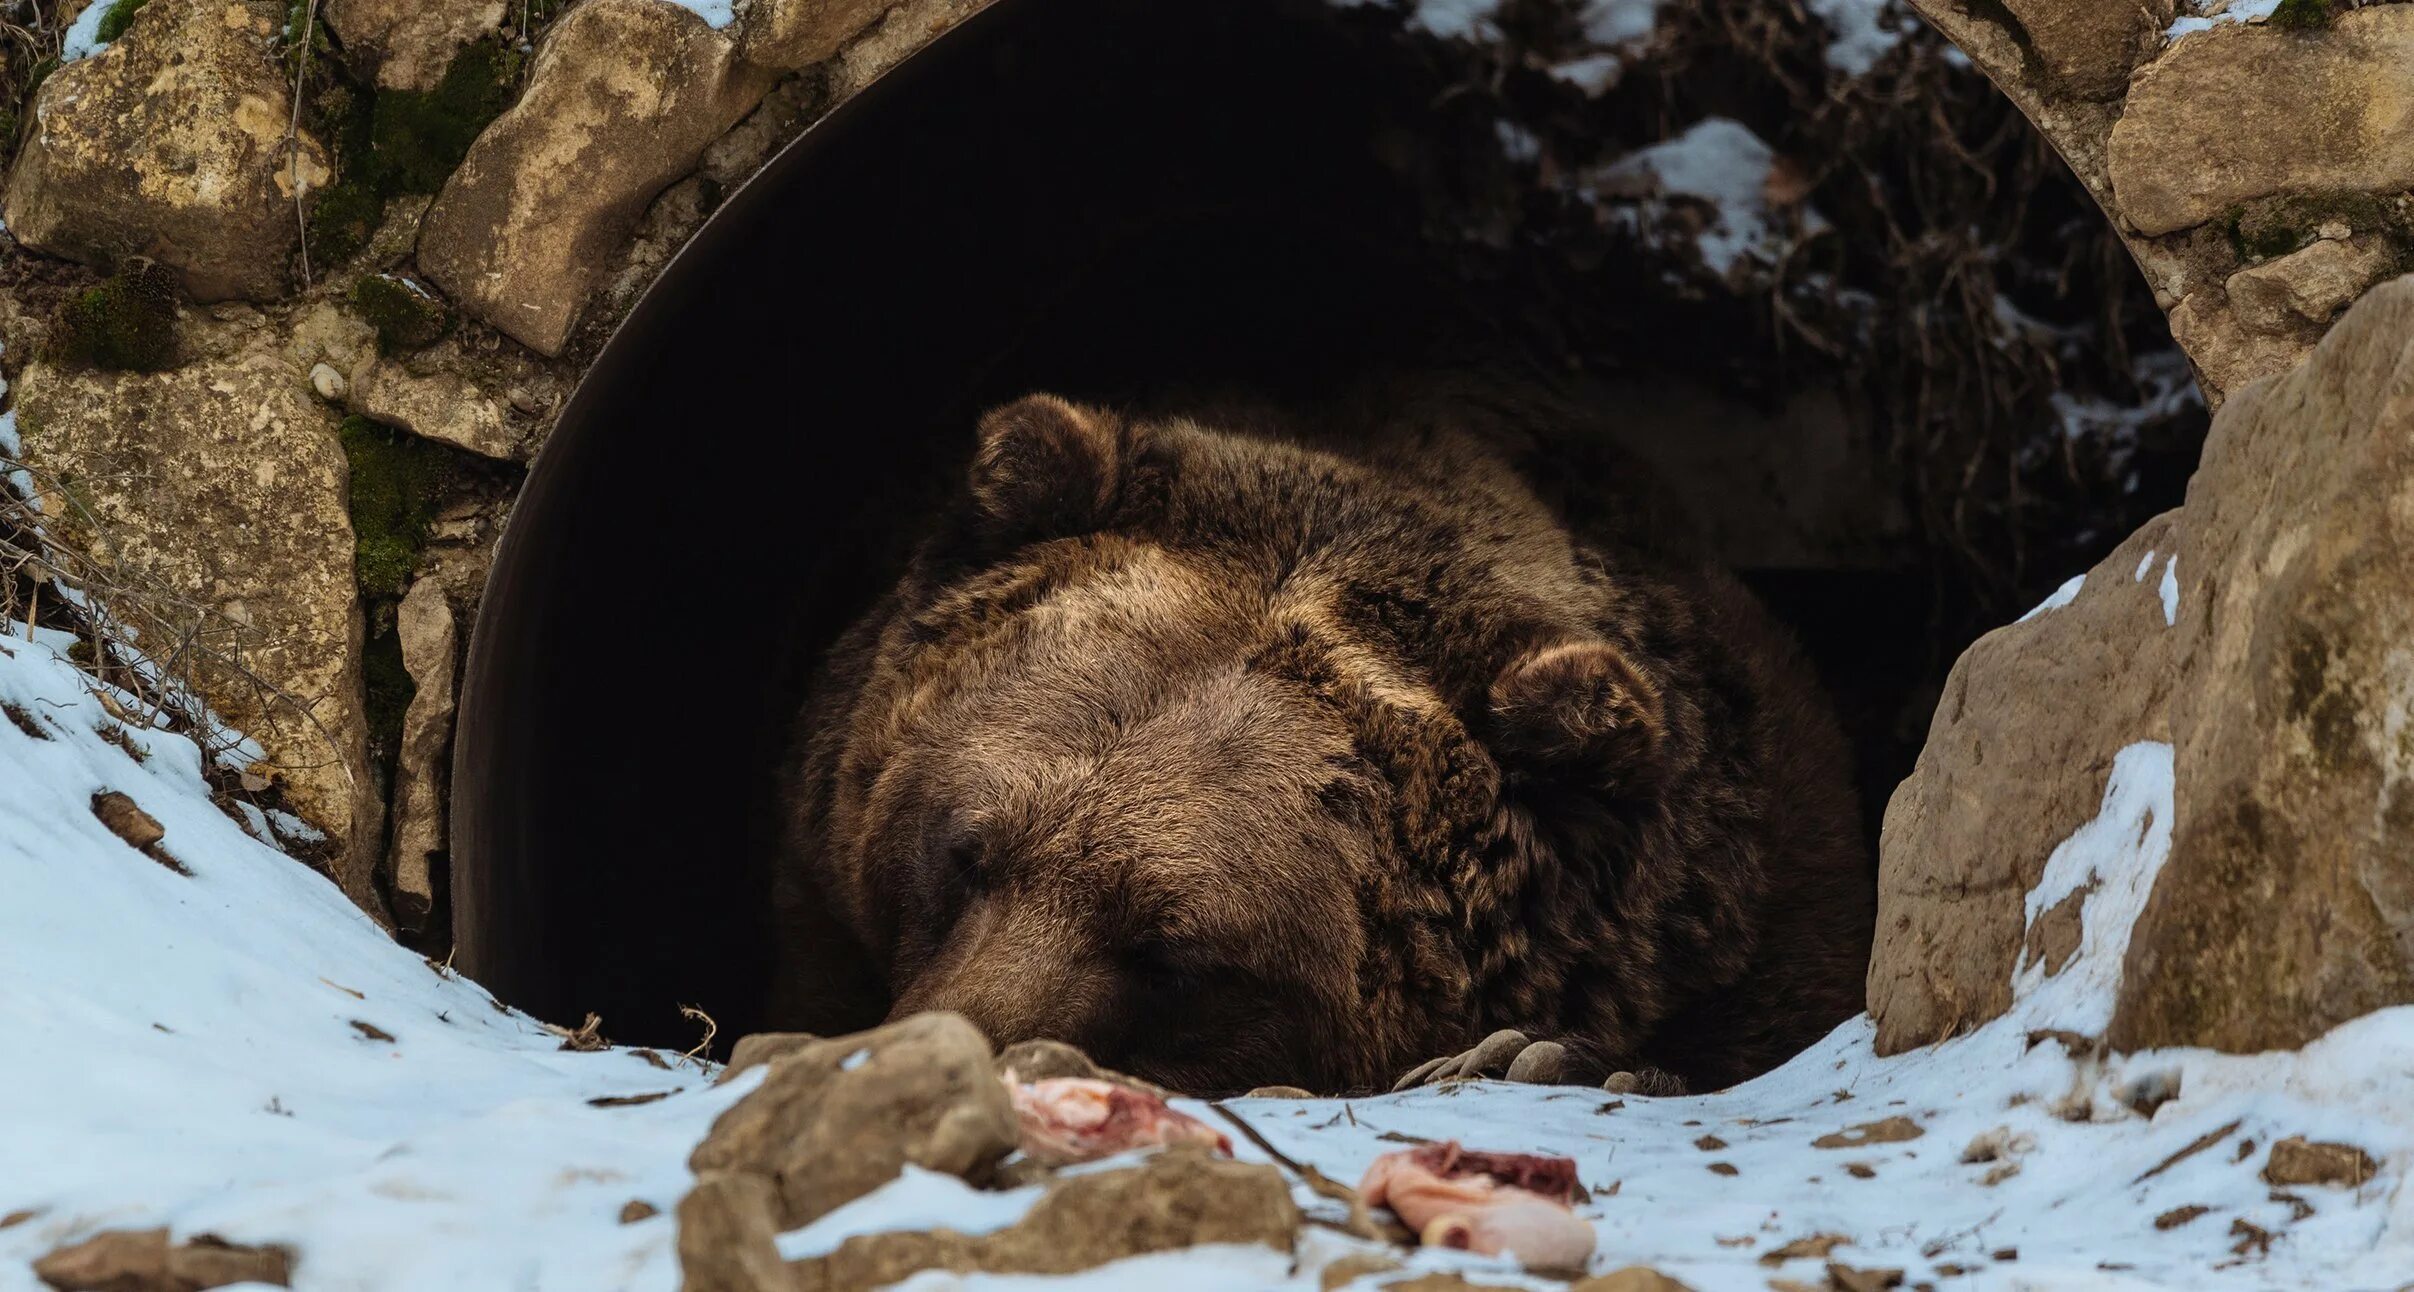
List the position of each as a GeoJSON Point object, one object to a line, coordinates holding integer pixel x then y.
{"type": "Point", "coordinates": [2288, 904]}
{"type": "Point", "coordinates": [171, 144]}
{"type": "Point", "coordinates": [213, 495]}
{"type": "Point", "coordinates": [622, 99]}
{"type": "Point", "coordinates": [2012, 766]}
{"type": "Point", "coordinates": [2261, 631]}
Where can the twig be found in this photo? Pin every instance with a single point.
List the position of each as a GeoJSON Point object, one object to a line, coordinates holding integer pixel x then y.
{"type": "Point", "coordinates": [293, 135]}
{"type": "Point", "coordinates": [711, 1029]}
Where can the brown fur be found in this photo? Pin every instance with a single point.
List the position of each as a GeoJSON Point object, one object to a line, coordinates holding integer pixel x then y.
{"type": "Point", "coordinates": [1299, 753]}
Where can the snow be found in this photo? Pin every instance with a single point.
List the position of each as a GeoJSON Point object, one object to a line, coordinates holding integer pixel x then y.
{"type": "Point", "coordinates": [2204, 15]}
{"type": "Point", "coordinates": [83, 38]}
{"type": "Point", "coordinates": [1722, 163]}
{"type": "Point", "coordinates": [1619, 22]}
{"type": "Point", "coordinates": [715, 13]}
{"type": "Point", "coordinates": [2168, 589]}
{"type": "Point", "coordinates": [1857, 38]}
{"type": "Point", "coordinates": [2062, 596]}
{"type": "Point", "coordinates": [183, 1051]}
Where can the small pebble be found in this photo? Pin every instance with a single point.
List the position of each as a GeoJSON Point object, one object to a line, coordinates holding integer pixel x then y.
{"type": "Point", "coordinates": [1278, 1092]}
{"type": "Point", "coordinates": [638, 1209]}
{"type": "Point", "coordinates": [329, 383]}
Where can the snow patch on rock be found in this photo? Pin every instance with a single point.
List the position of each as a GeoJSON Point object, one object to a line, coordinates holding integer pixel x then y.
{"type": "Point", "coordinates": [2204, 15]}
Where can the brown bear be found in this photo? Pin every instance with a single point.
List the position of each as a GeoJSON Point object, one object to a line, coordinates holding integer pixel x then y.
{"type": "Point", "coordinates": [1248, 749]}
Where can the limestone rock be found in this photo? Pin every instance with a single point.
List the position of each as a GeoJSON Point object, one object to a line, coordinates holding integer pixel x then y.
{"type": "Point", "coordinates": [2229, 355]}
{"type": "Point", "coordinates": [170, 144]}
{"type": "Point", "coordinates": [143, 1260]}
{"type": "Point", "coordinates": [727, 1242]}
{"type": "Point", "coordinates": [214, 494]}
{"type": "Point", "coordinates": [126, 819]}
{"type": "Point", "coordinates": [455, 395]}
{"type": "Point", "coordinates": [1178, 1198]}
{"type": "Point", "coordinates": [837, 1119]}
{"type": "Point", "coordinates": [622, 99]}
{"type": "Point", "coordinates": [792, 34]}
{"type": "Point", "coordinates": [2087, 46]}
{"type": "Point", "coordinates": [407, 44]}
{"type": "Point", "coordinates": [759, 1048]}
{"type": "Point", "coordinates": [2296, 1162]}
{"type": "Point", "coordinates": [2244, 112]}
{"type": "Point", "coordinates": [2011, 767]}
{"type": "Point", "coordinates": [430, 648]}
{"type": "Point", "coordinates": [1634, 1278]}
{"type": "Point", "coordinates": [2308, 286]}
{"type": "Point", "coordinates": [2287, 906]}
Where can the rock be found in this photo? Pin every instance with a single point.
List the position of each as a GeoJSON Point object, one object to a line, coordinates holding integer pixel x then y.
{"type": "Point", "coordinates": [2295, 1162]}
{"type": "Point", "coordinates": [407, 44]}
{"type": "Point", "coordinates": [143, 1260]}
{"type": "Point", "coordinates": [1634, 1278]}
{"type": "Point", "coordinates": [127, 323]}
{"type": "Point", "coordinates": [2227, 354]}
{"type": "Point", "coordinates": [2287, 905]}
{"type": "Point", "coordinates": [837, 1119]}
{"type": "Point", "coordinates": [1040, 1060]}
{"type": "Point", "coordinates": [170, 144]}
{"type": "Point", "coordinates": [2088, 47]}
{"type": "Point", "coordinates": [430, 650]}
{"type": "Point", "coordinates": [127, 820]}
{"type": "Point", "coordinates": [2243, 112]}
{"type": "Point", "coordinates": [214, 495]}
{"type": "Point", "coordinates": [793, 34]}
{"type": "Point", "coordinates": [1279, 1092]}
{"type": "Point", "coordinates": [909, 26]}
{"type": "Point", "coordinates": [755, 1050]}
{"type": "Point", "coordinates": [638, 1209]}
{"type": "Point", "coordinates": [405, 315]}
{"type": "Point", "coordinates": [2012, 766]}
{"type": "Point", "coordinates": [455, 395]}
{"type": "Point", "coordinates": [2307, 286]}
{"type": "Point", "coordinates": [327, 383]}
{"type": "Point", "coordinates": [1178, 1198]}
{"type": "Point", "coordinates": [727, 1242]}
{"type": "Point", "coordinates": [622, 99]}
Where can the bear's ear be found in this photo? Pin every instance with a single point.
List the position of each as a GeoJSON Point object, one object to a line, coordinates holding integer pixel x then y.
{"type": "Point", "coordinates": [1046, 466]}
{"type": "Point", "coordinates": [1580, 711]}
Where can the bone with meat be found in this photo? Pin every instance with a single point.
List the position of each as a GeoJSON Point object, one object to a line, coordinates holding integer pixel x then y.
{"type": "Point", "coordinates": [1488, 1203]}
{"type": "Point", "coordinates": [1079, 1119]}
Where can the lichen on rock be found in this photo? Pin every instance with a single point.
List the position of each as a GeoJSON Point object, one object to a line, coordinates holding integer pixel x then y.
{"type": "Point", "coordinates": [128, 322]}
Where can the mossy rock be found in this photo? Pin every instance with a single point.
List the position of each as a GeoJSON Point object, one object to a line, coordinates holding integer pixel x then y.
{"type": "Point", "coordinates": [406, 315]}
{"type": "Point", "coordinates": [418, 137]}
{"type": "Point", "coordinates": [116, 19]}
{"type": "Point", "coordinates": [395, 481]}
{"type": "Point", "coordinates": [127, 323]}
{"type": "Point", "coordinates": [2301, 15]}
{"type": "Point", "coordinates": [343, 218]}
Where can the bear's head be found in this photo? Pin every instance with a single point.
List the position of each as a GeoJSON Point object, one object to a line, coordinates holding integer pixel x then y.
{"type": "Point", "coordinates": [1215, 754]}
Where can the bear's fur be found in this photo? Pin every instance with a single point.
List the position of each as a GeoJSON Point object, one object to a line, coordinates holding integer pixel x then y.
{"type": "Point", "coordinates": [1298, 751]}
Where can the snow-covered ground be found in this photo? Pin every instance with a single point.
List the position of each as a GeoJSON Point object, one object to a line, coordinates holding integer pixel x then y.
{"type": "Point", "coordinates": [239, 1052]}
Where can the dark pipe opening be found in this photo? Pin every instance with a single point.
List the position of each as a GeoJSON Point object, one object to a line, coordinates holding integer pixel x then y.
{"type": "Point", "coordinates": [1114, 200]}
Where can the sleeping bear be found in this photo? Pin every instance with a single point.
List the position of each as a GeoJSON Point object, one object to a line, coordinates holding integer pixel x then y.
{"type": "Point", "coordinates": [1238, 749]}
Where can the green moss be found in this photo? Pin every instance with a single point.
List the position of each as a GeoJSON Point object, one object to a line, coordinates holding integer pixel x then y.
{"type": "Point", "coordinates": [2301, 15]}
{"type": "Point", "coordinates": [128, 322]}
{"type": "Point", "coordinates": [405, 315]}
{"type": "Point", "coordinates": [418, 137]}
{"type": "Point", "coordinates": [2278, 226]}
{"type": "Point", "coordinates": [395, 479]}
{"type": "Point", "coordinates": [343, 217]}
{"type": "Point", "coordinates": [117, 18]}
